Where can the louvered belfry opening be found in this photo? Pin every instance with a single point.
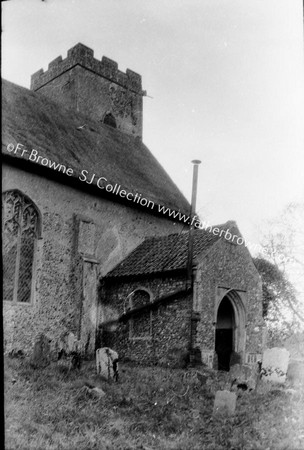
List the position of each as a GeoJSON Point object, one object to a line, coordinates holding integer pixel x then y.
{"type": "Point", "coordinates": [20, 231]}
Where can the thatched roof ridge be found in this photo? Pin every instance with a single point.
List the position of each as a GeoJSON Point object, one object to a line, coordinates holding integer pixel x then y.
{"type": "Point", "coordinates": [69, 138]}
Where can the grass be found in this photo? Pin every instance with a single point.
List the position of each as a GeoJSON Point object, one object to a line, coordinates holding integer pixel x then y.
{"type": "Point", "coordinates": [149, 408]}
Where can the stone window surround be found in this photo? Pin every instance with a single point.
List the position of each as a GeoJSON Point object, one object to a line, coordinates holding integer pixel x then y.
{"type": "Point", "coordinates": [36, 254]}
{"type": "Point", "coordinates": [138, 338]}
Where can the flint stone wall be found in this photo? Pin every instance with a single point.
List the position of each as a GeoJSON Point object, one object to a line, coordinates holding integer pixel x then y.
{"type": "Point", "coordinates": [64, 271]}
{"type": "Point", "coordinates": [170, 322]}
{"type": "Point", "coordinates": [104, 88]}
{"type": "Point", "coordinates": [226, 266]}
{"type": "Point", "coordinates": [229, 266]}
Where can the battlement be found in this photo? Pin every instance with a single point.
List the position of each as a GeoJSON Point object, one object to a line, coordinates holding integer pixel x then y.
{"type": "Point", "coordinates": [84, 56]}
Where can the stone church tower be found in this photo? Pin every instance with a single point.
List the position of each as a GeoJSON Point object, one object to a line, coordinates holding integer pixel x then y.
{"type": "Point", "coordinates": [97, 89]}
{"type": "Point", "coordinates": [80, 252]}
{"type": "Point", "coordinates": [63, 231]}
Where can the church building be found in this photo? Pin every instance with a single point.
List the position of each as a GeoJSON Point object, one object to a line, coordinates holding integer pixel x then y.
{"type": "Point", "coordinates": [161, 317]}
{"type": "Point", "coordinates": [85, 241]}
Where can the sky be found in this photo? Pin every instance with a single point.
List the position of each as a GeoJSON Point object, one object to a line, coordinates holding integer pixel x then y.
{"type": "Point", "coordinates": [224, 79]}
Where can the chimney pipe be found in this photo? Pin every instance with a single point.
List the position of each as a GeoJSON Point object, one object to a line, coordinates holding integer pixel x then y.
{"type": "Point", "coordinates": [195, 163]}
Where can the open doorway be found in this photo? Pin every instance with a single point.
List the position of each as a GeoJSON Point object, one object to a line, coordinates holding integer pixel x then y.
{"type": "Point", "coordinates": [224, 334]}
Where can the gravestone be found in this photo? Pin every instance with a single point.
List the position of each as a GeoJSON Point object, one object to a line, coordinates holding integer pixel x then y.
{"type": "Point", "coordinates": [70, 351]}
{"type": "Point", "coordinates": [106, 363]}
{"type": "Point", "coordinates": [236, 371]}
{"type": "Point", "coordinates": [68, 343]}
{"type": "Point", "coordinates": [275, 365]}
{"type": "Point", "coordinates": [224, 403]}
{"type": "Point", "coordinates": [244, 374]}
{"type": "Point", "coordinates": [41, 354]}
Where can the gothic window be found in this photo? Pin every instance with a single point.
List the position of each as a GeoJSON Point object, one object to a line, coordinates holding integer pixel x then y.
{"type": "Point", "coordinates": [141, 323]}
{"type": "Point", "coordinates": [20, 231]}
{"type": "Point", "coordinates": [109, 119]}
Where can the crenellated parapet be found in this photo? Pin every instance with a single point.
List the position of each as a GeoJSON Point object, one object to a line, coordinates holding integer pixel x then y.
{"type": "Point", "coordinates": [84, 56]}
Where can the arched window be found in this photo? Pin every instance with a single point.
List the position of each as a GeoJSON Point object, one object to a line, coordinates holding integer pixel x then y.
{"type": "Point", "coordinates": [20, 231]}
{"type": "Point", "coordinates": [109, 119]}
{"type": "Point", "coordinates": [141, 323]}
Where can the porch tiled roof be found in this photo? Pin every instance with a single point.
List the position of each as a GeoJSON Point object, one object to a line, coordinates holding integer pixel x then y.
{"type": "Point", "coordinates": [163, 254]}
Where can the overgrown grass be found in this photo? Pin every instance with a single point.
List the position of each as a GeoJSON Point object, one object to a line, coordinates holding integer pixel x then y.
{"type": "Point", "coordinates": [149, 408]}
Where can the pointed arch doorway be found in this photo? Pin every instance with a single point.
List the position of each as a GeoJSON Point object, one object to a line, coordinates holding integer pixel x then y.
{"type": "Point", "coordinates": [230, 329]}
{"type": "Point", "coordinates": [224, 334]}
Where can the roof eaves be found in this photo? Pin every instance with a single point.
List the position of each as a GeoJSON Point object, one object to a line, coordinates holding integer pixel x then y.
{"type": "Point", "coordinates": [74, 181]}
{"type": "Point", "coordinates": [148, 275]}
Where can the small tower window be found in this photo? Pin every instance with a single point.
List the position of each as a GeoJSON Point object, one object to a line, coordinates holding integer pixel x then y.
{"type": "Point", "coordinates": [109, 120]}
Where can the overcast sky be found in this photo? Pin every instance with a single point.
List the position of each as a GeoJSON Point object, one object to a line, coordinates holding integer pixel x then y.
{"type": "Point", "coordinates": [226, 77]}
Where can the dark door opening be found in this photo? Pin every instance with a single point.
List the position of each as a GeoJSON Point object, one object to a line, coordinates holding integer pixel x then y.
{"type": "Point", "coordinates": [224, 334]}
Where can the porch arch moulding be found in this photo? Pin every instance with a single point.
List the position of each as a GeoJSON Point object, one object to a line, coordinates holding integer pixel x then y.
{"type": "Point", "coordinates": [236, 298]}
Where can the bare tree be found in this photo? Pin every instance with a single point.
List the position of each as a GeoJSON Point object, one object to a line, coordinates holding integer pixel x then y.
{"type": "Point", "coordinates": [282, 269]}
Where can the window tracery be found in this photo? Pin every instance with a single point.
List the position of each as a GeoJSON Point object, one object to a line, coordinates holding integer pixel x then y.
{"type": "Point", "coordinates": [20, 231]}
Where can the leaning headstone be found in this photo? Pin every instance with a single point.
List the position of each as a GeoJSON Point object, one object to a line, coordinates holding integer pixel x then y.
{"type": "Point", "coordinates": [106, 363]}
{"type": "Point", "coordinates": [275, 365]}
{"type": "Point", "coordinates": [41, 354]}
{"type": "Point", "coordinates": [224, 403]}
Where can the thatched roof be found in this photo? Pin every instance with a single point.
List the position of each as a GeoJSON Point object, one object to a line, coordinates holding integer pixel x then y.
{"type": "Point", "coordinates": [39, 123]}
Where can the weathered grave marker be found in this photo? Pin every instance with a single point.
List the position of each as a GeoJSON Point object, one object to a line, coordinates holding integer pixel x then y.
{"type": "Point", "coordinates": [70, 351]}
{"type": "Point", "coordinates": [244, 374]}
{"type": "Point", "coordinates": [275, 365]}
{"type": "Point", "coordinates": [106, 363]}
{"type": "Point", "coordinates": [41, 353]}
